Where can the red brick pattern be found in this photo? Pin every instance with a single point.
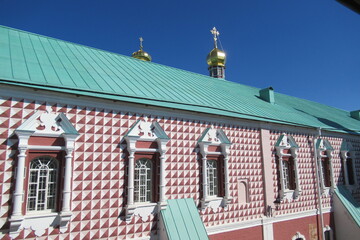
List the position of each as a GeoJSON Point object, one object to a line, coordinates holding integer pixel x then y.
{"type": "Point", "coordinates": [100, 165]}
{"type": "Point", "coordinates": [99, 169]}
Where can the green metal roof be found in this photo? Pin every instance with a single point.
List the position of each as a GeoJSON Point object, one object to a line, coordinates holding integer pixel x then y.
{"type": "Point", "coordinates": [349, 203]}
{"type": "Point", "coordinates": [36, 61]}
{"type": "Point", "coordinates": [182, 220]}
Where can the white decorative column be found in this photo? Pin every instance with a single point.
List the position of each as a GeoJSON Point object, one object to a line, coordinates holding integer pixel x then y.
{"type": "Point", "coordinates": [17, 215]}
{"type": "Point", "coordinates": [65, 214]}
{"type": "Point", "coordinates": [204, 173]}
{"type": "Point", "coordinates": [282, 180]}
{"type": "Point", "coordinates": [162, 178]}
{"type": "Point", "coordinates": [131, 178]}
{"type": "Point", "coordinates": [226, 167]}
{"type": "Point", "coordinates": [294, 153]}
{"type": "Point", "coordinates": [332, 179]}
{"type": "Point", "coordinates": [162, 188]}
{"type": "Point", "coordinates": [19, 186]}
{"type": "Point", "coordinates": [225, 152]}
{"type": "Point", "coordinates": [67, 181]}
{"type": "Point", "coordinates": [344, 160]}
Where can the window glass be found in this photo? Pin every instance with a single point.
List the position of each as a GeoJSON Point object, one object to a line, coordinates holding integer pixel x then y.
{"type": "Point", "coordinates": [350, 171]}
{"type": "Point", "coordinates": [325, 171]}
{"type": "Point", "coordinates": [142, 180]}
{"type": "Point", "coordinates": [212, 178]}
{"type": "Point", "coordinates": [327, 234]}
{"type": "Point", "coordinates": [42, 187]}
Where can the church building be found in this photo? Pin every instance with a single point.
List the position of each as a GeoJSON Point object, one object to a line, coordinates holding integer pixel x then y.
{"type": "Point", "coordinates": [98, 145]}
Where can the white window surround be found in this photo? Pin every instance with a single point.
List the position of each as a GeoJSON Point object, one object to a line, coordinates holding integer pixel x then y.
{"type": "Point", "coordinates": [284, 143]}
{"type": "Point", "coordinates": [346, 152]}
{"type": "Point", "coordinates": [324, 146]}
{"type": "Point", "coordinates": [214, 137]}
{"type": "Point", "coordinates": [145, 131]}
{"type": "Point", "coordinates": [45, 124]}
{"type": "Point", "coordinates": [297, 236]}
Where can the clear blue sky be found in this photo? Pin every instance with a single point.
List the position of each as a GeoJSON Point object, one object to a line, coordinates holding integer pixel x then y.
{"type": "Point", "coordinates": [308, 49]}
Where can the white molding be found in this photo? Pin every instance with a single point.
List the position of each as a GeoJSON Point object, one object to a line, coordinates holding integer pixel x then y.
{"type": "Point", "coordinates": [85, 101]}
{"type": "Point", "coordinates": [233, 226]}
{"type": "Point", "coordinates": [258, 222]}
{"type": "Point", "coordinates": [45, 148]}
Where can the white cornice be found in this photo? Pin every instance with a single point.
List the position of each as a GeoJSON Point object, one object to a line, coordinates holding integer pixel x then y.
{"type": "Point", "coordinates": [71, 99]}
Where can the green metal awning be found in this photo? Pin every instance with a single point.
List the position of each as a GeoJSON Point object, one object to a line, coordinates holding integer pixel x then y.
{"type": "Point", "coordinates": [181, 220]}
{"type": "Point", "coordinates": [349, 202]}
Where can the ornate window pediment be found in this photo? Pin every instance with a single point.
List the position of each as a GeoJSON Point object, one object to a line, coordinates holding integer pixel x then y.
{"type": "Point", "coordinates": [348, 164]}
{"type": "Point", "coordinates": [145, 131]}
{"type": "Point", "coordinates": [47, 124]}
{"type": "Point", "coordinates": [287, 152]}
{"type": "Point", "coordinates": [50, 125]}
{"type": "Point", "coordinates": [287, 142]}
{"type": "Point", "coordinates": [324, 152]}
{"type": "Point", "coordinates": [214, 148]}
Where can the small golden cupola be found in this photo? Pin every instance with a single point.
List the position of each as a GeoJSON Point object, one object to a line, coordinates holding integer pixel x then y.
{"type": "Point", "coordinates": [216, 59]}
{"type": "Point", "coordinates": [141, 54]}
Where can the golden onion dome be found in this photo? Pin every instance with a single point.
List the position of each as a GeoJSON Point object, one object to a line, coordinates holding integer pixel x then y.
{"type": "Point", "coordinates": [141, 54]}
{"type": "Point", "coordinates": [216, 58]}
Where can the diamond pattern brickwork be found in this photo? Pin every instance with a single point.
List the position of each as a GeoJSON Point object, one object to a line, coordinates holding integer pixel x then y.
{"type": "Point", "coordinates": [307, 200]}
{"type": "Point", "coordinates": [99, 169]}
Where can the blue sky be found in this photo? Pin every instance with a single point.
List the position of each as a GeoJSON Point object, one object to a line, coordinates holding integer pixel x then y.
{"type": "Point", "coordinates": [308, 49]}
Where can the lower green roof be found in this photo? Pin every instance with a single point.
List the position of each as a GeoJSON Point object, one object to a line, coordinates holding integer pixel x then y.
{"type": "Point", "coordinates": [182, 220]}
{"type": "Point", "coordinates": [349, 203]}
{"type": "Point", "coordinates": [31, 60]}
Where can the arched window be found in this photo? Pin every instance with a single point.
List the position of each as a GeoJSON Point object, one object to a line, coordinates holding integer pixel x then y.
{"type": "Point", "coordinates": [212, 177]}
{"type": "Point", "coordinates": [142, 180]}
{"type": "Point", "coordinates": [43, 184]}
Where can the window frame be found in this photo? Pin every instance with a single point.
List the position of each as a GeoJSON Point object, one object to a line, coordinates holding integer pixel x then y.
{"type": "Point", "coordinates": [153, 159]}
{"type": "Point", "coordinates": [31, 155]}
{"type": "Point", "coordinates": [219, 176]}
{"type": "Point", "coordinates": [59, 159]}
{"type": "Point", "coordinates": [347, 155]}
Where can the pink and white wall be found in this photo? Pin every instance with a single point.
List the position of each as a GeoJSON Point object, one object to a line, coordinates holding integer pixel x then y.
{"type": "Point", "coordinates": [100, 161]}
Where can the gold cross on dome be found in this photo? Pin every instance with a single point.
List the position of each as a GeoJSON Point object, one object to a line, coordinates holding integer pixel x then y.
{"type": "Point", "coordinates": [216, 33]}
{"type": "Point", "coordinates": [141, 41]}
